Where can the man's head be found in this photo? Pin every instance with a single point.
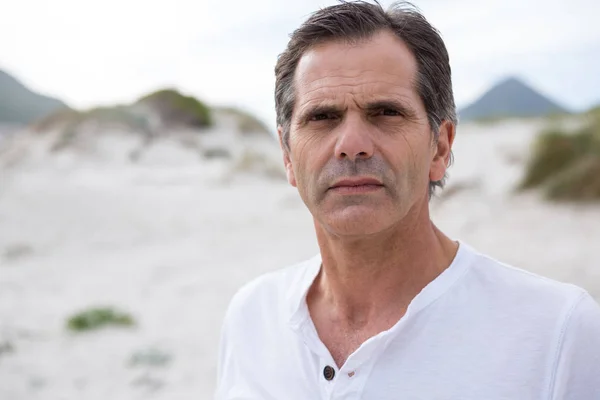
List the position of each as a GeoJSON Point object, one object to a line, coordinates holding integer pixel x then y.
{"type": "Point", "coordinates": [362, 94]}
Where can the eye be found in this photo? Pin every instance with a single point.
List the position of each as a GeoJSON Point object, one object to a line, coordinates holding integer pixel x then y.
{"type": "Point", "coordinates": [389, 112]}
{"type": "Point", "coordinates": [320, 117]}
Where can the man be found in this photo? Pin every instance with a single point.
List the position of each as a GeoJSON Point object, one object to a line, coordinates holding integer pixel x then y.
{"type": "Point", "coordinates": [391, 308]}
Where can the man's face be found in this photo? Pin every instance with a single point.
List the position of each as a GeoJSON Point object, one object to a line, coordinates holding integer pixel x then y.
{"type": "Point", "coordinates": [361, 151]}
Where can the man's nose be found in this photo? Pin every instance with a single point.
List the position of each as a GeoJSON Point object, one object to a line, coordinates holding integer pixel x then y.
{"type": "Point", "coordinates": [354, 140]}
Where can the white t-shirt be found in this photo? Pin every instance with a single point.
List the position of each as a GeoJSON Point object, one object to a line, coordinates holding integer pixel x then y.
{"type": "Point", "coordinates": [482, 330]}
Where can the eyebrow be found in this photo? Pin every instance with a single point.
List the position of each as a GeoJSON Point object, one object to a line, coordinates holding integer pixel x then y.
{"type": "Point", "coordinates": [404, 110]}
{"type": "Point", "coordinates": [320, 109]}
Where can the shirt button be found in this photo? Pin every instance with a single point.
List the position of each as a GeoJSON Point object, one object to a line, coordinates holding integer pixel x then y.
{"type": "Point", "coordinates": [328, 372]}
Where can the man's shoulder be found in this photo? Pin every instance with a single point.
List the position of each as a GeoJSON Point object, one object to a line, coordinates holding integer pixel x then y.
{"type": "Point", "coordinates": [515, 283]}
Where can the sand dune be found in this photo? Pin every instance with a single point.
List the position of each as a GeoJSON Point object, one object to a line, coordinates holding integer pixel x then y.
{"type": "Point", "coordinates": [170, 238]}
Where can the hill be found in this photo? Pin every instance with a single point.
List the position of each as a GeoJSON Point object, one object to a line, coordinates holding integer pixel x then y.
{"type": "Point", "coordinates": [510, 98]}
{"type": "Point", "coordinates": [165, 127]}
{"type": "Point", "coordinates": [20, 105]}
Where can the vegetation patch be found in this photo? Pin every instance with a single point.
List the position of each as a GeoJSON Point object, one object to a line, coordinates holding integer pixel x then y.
{"type": "Point", "coordinates": [150, 357]}
{"type": "Point", "coordinates": [175, 108]}
{"type": "Point", "coordinates": [6, 347]}
{"type": "Point", "coordinates": [99, 317]}
{"type": "Point", "coordinates": [565, 164]}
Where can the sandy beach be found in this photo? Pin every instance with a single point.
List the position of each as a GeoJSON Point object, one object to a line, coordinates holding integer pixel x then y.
{"type": "Point", "coordinates": [170, 242]}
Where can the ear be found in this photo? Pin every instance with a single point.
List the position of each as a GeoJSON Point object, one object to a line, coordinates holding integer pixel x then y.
{"type": "Point", "coordinates": [287, 161]}
{"type": "Point", "coordinates": [442, 151]}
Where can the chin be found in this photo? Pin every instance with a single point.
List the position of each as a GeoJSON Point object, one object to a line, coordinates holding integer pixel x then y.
{"type": "Point", "coordinates": [357, 221]}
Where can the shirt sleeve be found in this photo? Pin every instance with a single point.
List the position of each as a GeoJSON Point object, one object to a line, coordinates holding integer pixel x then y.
{"type": "Point", "coordinates": [224, 358]}
{"type": "Point", "coordinates": [577, 373]}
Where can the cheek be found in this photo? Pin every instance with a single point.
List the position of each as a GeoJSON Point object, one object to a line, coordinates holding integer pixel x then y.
{"type": "Point", "coordinates": [410, 159]}
{"type": "Point", "coordinates": [309, 155]}
{"type": "Point", "coordinates": [302, 166]}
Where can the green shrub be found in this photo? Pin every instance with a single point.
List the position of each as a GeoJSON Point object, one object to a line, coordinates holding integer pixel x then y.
{"type": "Point", "coordinates": [593, 113]}
{"type": "Point", "coordinates": [580, 182]}
{"type": "Point", "coordinates": [566, 165]}
{"type": "Point", "coordinates": [95, 318]}
{"type": "Point", "coordinates": [554, 151]}
{"type": "Point", "coordinates": [150, 357]}
{"type": "Point", "coordinates": [176, 108]}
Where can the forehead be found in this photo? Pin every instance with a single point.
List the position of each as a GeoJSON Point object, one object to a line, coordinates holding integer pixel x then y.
{"type": "Point", "coordinates": [381, 66]}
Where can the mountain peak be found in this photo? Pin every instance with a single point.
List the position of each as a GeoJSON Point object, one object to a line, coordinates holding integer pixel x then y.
{"type": "Point", "coordinates": [512, 80]}
{"type": "Point", "coordinates": [510, 97]}
{"type": "Point", "coordinates": [19, 105]}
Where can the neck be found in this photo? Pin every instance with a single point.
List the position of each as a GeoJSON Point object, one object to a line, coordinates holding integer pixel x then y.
{"type": "Point", "coordinates": [370, 278]}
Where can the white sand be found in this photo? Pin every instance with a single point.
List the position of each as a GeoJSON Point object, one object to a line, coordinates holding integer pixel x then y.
{"type": "Point", "coordinates": [171, 242]}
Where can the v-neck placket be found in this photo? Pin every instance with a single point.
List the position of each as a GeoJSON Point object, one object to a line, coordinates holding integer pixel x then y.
{"type": "Point", "coordinates": [348, 382]}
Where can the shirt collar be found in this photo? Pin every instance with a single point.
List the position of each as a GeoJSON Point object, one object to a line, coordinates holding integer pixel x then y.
{"type": "Point", "coordinates": [309, 269]}
{"type": "Point", "coordinates": [299, 289]}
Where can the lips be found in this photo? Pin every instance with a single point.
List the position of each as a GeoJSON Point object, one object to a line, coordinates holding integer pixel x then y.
{"type": "Point", "coordinates": [356, 182]}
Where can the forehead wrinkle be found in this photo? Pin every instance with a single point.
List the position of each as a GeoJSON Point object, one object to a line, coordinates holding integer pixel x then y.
{"type": "Point", "coordinates": [345, 73]}
{"type": "Point", "coordinates": [329, 97]}
{"type": "Point", "coordinates": [327, 86]}
{"type": "Point", "coordinates": [356, 88]}
{"type": "Point", "coordinates": [354, 78]}
{"type": "Point", "coordinates": [383, 86]}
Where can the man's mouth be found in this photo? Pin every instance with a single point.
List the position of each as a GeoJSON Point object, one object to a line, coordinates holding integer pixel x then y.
{"type": "Point", "coordinates": [356, 185]}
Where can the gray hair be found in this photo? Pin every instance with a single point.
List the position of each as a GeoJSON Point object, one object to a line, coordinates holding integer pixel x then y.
{"type": "Point", "coordinates": [353, 21]}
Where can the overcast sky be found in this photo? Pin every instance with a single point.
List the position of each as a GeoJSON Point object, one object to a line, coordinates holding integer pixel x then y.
{"type": "Point", "coordinates": [92, 52]}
